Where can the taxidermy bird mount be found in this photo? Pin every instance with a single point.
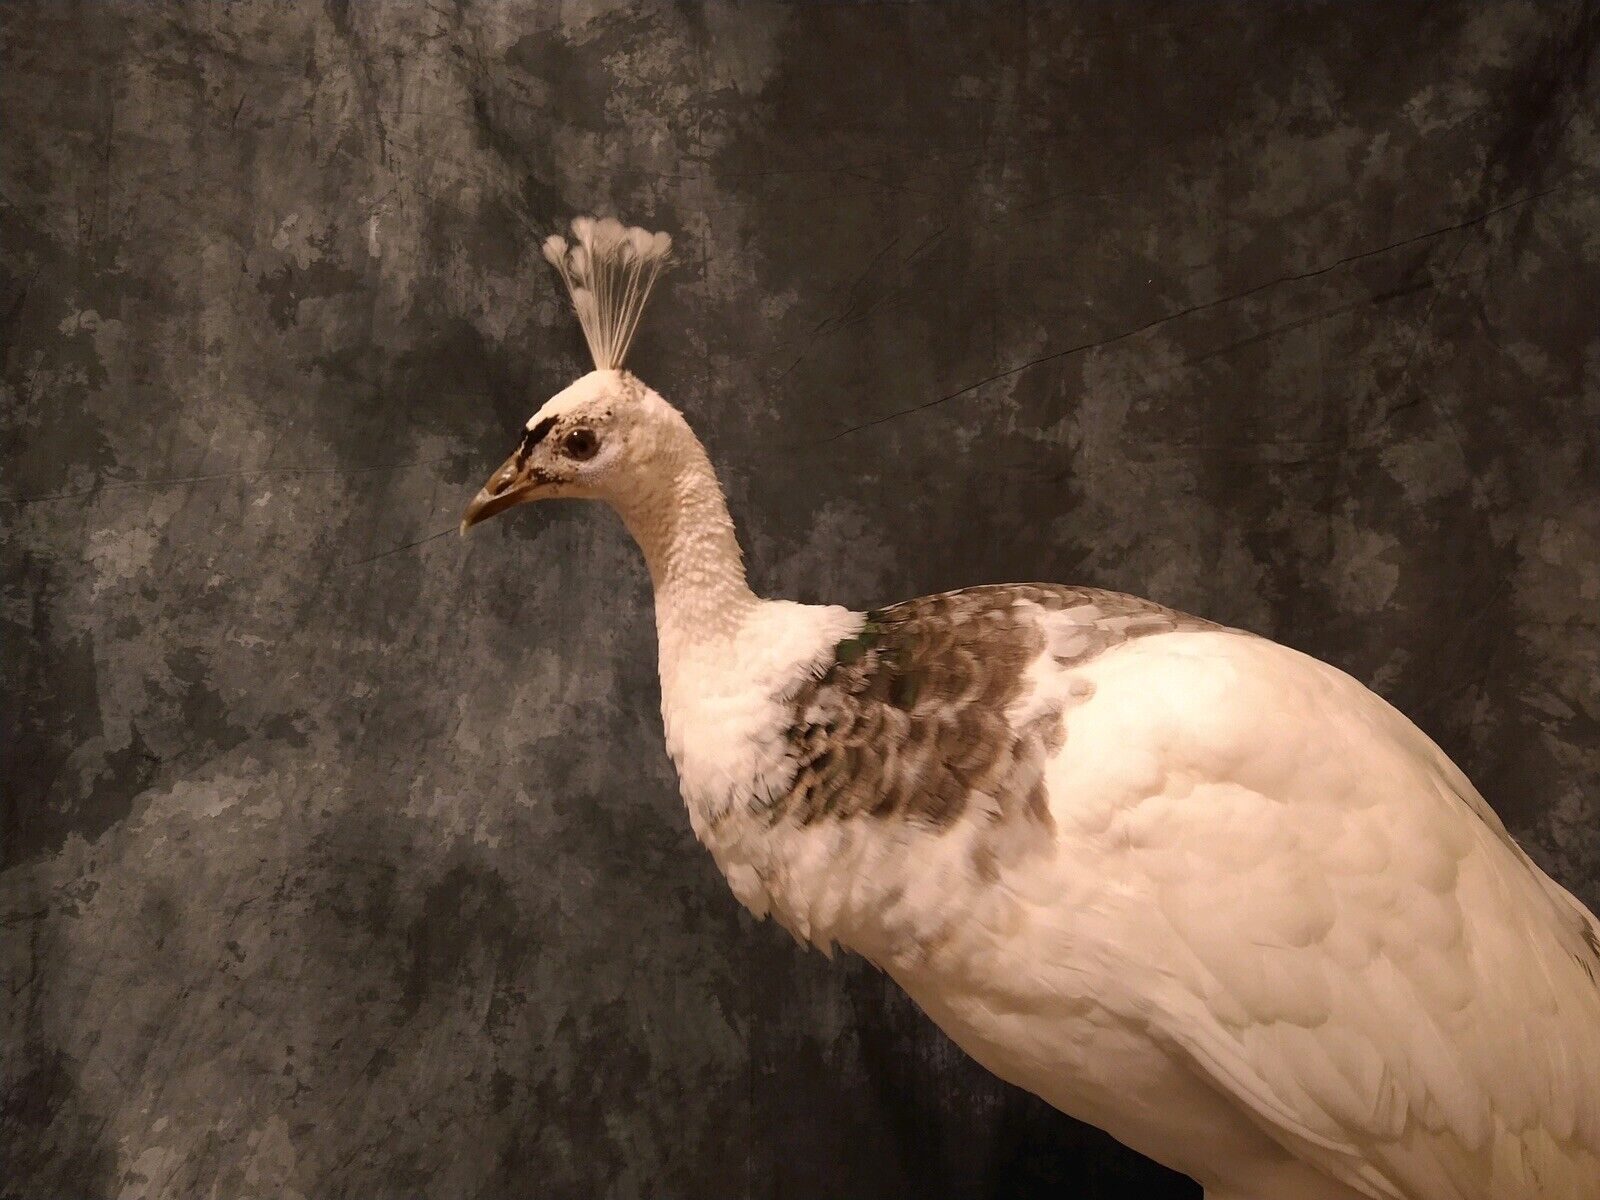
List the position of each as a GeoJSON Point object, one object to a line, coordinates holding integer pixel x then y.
{"type": "Point", "coordinates": [1188, 885]}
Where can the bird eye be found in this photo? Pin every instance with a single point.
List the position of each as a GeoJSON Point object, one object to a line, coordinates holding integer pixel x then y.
{"type": "Point", "coordinates": [580, 444]}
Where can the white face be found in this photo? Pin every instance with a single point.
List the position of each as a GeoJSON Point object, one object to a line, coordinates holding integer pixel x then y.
{"type": "Point", "coordinates": [592, 440]}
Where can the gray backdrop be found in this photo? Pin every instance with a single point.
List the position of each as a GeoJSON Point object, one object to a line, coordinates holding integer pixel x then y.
{"type": "Point", "coordinates": [340, 862]}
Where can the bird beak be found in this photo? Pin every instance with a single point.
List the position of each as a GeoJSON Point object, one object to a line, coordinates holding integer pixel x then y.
{"type": "Point", "coordinates": [507, 487]}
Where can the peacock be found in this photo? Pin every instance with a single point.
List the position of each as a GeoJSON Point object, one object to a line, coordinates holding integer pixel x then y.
{"type": "Point", "coordinates": [1188, 885]}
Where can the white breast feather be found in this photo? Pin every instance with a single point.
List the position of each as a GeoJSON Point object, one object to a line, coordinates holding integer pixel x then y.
{"type": "Point", "coordinates": [724, 709]}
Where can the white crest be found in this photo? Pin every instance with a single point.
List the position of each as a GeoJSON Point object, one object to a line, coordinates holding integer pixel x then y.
{"type": "Point", "coordinates": [609, 270]}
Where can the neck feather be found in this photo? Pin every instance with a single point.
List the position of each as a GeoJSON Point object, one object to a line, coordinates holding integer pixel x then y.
{"type": "Point", "coordinates": [687, 536]}
{"type": "Point", "coordinates": [729, 660]}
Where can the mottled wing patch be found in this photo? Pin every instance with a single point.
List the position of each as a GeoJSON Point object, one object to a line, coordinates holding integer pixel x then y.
{"type": "Point", "coordinates": [910, 722]}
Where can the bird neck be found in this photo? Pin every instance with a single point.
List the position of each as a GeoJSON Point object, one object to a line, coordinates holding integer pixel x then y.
{"type": "Point", "coordinates": [683, 527]}
{"type": "Point", "coordinates": [730, 663]}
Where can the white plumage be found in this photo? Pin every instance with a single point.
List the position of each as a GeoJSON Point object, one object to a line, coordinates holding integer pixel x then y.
{"type": "Point", "coordinates": [1196, 888]}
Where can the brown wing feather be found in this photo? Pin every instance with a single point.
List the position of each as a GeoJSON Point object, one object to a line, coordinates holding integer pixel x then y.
{"type": "Point", "coordinates": [911, 720]}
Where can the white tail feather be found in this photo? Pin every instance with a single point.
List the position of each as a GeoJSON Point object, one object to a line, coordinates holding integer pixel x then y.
{"type": "Point", "coordinates": [609, 270]}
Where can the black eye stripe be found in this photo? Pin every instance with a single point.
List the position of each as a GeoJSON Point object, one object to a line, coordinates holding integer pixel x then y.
{"type": "Point", "coordinates": [535, 435]}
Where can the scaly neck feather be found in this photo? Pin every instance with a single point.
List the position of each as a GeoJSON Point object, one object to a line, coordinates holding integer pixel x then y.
{"type": "Point", "coordinates": [683, 527]}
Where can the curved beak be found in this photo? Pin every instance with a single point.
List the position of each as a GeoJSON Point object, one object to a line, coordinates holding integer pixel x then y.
{"type": "Point", "coordinates": [507, 487]}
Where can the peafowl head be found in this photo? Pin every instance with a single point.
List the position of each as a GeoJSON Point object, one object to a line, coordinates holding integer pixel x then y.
{"type": "Point", "coordinates": [607, 436]}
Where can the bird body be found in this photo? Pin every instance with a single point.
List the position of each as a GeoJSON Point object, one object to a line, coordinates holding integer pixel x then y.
{"type": "Point", "coordinates": [1186, 884]}
{"type": "Point", "coordinates": [1192, 887]}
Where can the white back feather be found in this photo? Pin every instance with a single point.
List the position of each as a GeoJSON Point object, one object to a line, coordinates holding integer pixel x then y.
{"type": "Point", "coordinates": [609, 270]}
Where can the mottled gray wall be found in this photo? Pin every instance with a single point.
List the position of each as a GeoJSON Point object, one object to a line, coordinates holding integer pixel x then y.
{"type": "Point", "coordinates": [343, 863]}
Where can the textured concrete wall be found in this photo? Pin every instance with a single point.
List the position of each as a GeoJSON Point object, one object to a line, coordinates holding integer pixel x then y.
{"type": "Point", "coordinates": [339, 862]}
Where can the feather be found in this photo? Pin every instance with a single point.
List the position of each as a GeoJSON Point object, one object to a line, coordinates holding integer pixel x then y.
{"type": "Point", "coordinates": [609, 271]}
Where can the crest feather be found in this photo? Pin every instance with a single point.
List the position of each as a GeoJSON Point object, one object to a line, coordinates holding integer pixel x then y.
{"type": "Point", "coordinates": [609, 270]}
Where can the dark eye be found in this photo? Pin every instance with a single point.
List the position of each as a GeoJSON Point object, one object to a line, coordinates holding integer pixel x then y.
{"type": "Point", "coordinates": [580, 444]}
